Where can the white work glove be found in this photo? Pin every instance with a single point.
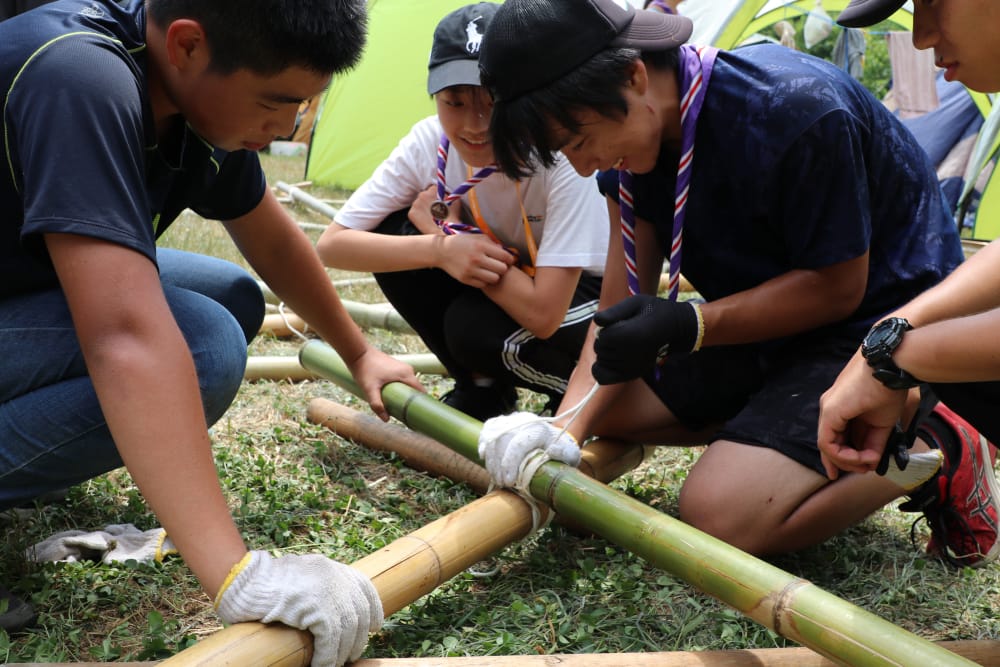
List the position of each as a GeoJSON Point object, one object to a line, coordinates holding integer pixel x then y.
{"type": "Point", "coordinates": [335, 602]}
{"type": "Point", "coordinates": [506, 441]}
{"type": "Point", "coordinates": [117, 543]}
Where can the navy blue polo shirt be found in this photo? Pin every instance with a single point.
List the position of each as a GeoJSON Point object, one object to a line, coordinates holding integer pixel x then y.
{"type": "Point", "coordinates": [79, 150]}
{"type": "Point", "coordinates": [797, 166]}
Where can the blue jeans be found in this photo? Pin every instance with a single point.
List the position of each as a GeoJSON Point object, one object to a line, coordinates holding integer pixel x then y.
{"type": "Point", "coordinates": [52, 430]}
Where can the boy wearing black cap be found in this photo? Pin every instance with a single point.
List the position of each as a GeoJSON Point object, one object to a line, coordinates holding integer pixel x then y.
{"type": "Point", "coordinates": [946, 336]}
{"type": "Point", "coordinates": [500, 278]}
{"type": "Point", "coordinates": [762, 174]}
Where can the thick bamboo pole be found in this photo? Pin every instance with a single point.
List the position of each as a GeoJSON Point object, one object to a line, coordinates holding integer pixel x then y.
{"type": "Point", "coordinates": [289, 368]}
{"type": "Point", "coordinates": [791, 606]}
{"type": "Point", "coordinates": [985, 653]}
{"type": "Point", "coordinates": [403, 571]}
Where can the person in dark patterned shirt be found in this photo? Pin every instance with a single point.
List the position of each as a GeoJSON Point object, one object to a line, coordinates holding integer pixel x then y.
{"type": "Point", "coordinates": [807, 213]}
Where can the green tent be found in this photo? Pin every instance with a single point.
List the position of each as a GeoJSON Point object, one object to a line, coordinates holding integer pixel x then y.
{"type": "Point", "coordinates": [365, 113]}
{"type": "Point", "coordinates": [729, 23]}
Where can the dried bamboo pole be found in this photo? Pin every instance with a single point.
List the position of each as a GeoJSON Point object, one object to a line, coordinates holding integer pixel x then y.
{"type": "Point", "coordinates": [985, 653]}
{"type": "Point", "coordinates": [791, 606]}
{"type": "Point", "coordinates": [402, 572]}
{"type": "Point", "coordinates": [419, 451]}
{"type": "Point", "coordinates": [366, 316]}
{"type": "Point", "coordinates": [604, 460]}
{"type": "Point", "coordinates": [271, 299]}
{"type": "Point", "coordinates": [289, 368]}
{"type": "Point", "coordinates": [303, 197]}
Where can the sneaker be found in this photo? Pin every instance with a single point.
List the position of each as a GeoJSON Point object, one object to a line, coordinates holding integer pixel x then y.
{"type": "Point", "coordinates": [482, 402]}
{"type": "Point", "coordinates": [17, 615]}
{"type": "Point", "coordinates": [962, 502]}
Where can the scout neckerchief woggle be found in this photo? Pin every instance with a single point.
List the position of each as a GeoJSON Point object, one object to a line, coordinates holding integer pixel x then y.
{"type": "Point", "coordinates": [695, 71]}
{"type": "Point", "coordinates": [439, 209]}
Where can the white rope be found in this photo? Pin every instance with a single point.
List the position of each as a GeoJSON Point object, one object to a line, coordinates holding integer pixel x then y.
{"type": "Point", "coordinates": [288, 324]}
{"type": "Point", "coordinates": [539, 457]}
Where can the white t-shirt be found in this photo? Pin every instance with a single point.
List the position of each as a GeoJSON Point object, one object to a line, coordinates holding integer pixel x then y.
{"type": "Point", "coordinates": [566, 212]}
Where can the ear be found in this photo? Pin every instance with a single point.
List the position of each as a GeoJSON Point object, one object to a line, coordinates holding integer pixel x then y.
{"type": "Point", "coordinates": [187, 47]}
{"type": "Point", "coordinates": [638, 78]}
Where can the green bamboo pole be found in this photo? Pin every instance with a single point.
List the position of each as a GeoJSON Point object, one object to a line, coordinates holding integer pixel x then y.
{"type": "Point", "coordinates": [788, 605]}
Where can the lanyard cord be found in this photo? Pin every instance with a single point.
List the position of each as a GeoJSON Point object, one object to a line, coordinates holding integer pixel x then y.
{"type": "Point", "coordinates": [529, 236]}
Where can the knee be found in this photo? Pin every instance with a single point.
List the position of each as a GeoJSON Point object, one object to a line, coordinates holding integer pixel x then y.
{"type": "Point", "coordinates": [705, 508]}
{"type": "Point", "coordinates": [245, 301]}
{"type": "Point", "coordinates": [220, 355]}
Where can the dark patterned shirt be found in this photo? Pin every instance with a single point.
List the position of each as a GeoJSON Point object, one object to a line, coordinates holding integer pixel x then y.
{"type": "Point", "coordinates": [797, 166]}
{"type": "Point", "coordinates": [78, 149]}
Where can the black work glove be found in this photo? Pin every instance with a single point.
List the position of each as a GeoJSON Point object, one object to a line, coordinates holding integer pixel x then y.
{"type": "Point", "coordinates": [638, 333]}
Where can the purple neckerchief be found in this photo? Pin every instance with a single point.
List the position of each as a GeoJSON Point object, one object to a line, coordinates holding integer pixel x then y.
{"type": "Point", "coordinates": [439, 209]}
{"type": "Point", "coordinates": [695, 70]}
{"type": "Point", "coordinates": [664, 7]}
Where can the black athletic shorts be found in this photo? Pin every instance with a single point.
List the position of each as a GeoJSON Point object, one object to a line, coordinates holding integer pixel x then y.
{"type": "Point", "coordinates": [763, 395]}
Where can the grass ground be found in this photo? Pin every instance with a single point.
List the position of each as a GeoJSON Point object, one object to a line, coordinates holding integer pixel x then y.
{"type": "Point", "coordinates": [296, 487]}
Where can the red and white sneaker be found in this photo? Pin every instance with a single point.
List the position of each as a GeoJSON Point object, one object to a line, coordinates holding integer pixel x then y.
{"type": "Point", "coordinates": [962, 502]}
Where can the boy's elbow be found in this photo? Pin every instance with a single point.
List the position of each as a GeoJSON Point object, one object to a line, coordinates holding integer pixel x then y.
{"type": "Point", "coordinates": [326, 248]}
{"type": "Point", "coordinates": [545, 328]}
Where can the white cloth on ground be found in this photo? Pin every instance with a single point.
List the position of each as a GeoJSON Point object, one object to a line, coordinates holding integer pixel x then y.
{"type": "Point", "coordinates": [116, 543]}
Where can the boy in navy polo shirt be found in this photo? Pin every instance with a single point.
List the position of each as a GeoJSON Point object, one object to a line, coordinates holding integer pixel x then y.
{"type": "Point", "coordinates": [116, 117]}
{"type": "Point", "coordinates": [773, 182]}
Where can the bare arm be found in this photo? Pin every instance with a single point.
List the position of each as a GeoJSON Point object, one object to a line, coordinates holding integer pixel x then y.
{"type": "Point", "coordinates": [148, 390]}
{"type": "Point", "coordinates": [954, 341]}
{"type": "Point", "coordinates": [285, 259]}
{"type": "Point", "coordinates": [971, 288]}
{"type": "Point", "coordinates": [791, 303]}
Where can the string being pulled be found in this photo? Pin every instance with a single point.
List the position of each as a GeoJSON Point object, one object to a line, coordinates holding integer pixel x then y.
{"type": "Point", "coordinates": [515, 446]}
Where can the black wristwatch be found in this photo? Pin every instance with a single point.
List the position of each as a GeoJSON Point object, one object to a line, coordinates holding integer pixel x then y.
{"type": "Point", "coordinates": [877, 348]}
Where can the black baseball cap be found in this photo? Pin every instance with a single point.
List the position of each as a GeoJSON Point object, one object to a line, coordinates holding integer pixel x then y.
{"type": "Point", "coordinates": [455, 51]}
{"type": "Point", "coordinates": [863, 13]}
{"type": "Point", "coordinates": [532, 43]}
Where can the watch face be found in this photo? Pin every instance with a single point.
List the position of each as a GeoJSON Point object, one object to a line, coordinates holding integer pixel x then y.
{"type": "Point", "coordinates": [879, 335]}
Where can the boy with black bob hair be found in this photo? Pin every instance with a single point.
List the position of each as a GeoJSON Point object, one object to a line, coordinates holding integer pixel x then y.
{"type": "Point", "coordinates": [780, 175]}
{"type": "Point", "coordinates": [117, 117]}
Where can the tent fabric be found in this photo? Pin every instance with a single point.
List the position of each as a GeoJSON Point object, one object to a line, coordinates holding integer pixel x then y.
{"type": "Point", "coordinates": [364, 113]}
{"type": "Point", "coordinates": [948, 135]}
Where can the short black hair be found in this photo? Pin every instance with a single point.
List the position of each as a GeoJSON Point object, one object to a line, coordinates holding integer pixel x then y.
{"type": "Point", "coordinates": [269, 36]}
{"type": "Point", "coordinates": [521, 129]}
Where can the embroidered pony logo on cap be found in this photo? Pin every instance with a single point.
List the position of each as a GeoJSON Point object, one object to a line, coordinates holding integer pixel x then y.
{"type": "Point", "coordinates": [475, 37]}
